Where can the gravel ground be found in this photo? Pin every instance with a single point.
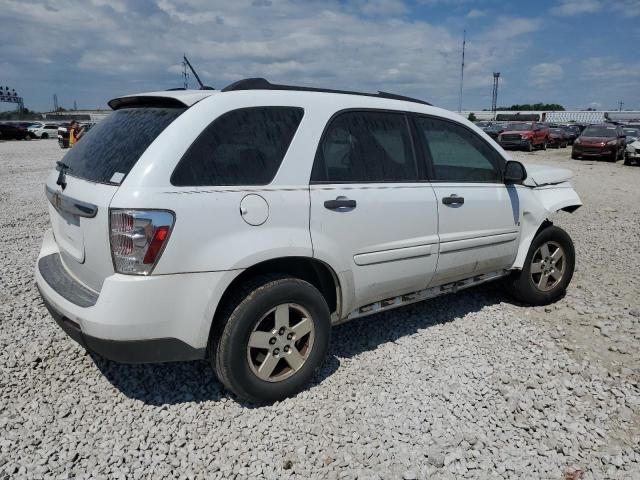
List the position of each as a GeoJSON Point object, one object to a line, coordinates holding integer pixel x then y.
{"type": "Point", "coordinates": [464, 386]}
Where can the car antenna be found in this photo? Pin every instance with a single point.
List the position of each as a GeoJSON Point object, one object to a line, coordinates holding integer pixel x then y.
{"type": "Point", "coordinates": [202, 85]}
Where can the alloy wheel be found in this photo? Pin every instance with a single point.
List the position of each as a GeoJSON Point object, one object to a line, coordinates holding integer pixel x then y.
{"type": "Point", "coordinates": [280, 342]}
{"type": "Point", "coordinates": [547, 266]}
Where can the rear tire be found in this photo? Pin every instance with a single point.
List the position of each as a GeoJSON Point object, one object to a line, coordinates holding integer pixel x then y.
{"type": "Point", "coordinates": [547, 270]}
{"type": "Point", "coordinates": [544, 145]}
{"type": "Point", "coordinates": [529, 147]}
{"type": "Point", "coordinates": [263, 354]}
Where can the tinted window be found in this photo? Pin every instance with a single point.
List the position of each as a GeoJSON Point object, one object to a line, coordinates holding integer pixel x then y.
{"type": "Point", "coordinates": [109, 151]}
{"type": "Point", "coordinates": [366, 147]}
{"type": "Point", "coordinates": [242, 147]}
{"type": "Point", "coordinates": [458, 154]}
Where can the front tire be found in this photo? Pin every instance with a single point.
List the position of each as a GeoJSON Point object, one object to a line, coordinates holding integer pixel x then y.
{"type": "Point", "coordinates": [44, 136]}
{"type": "Point", "coordinates": [275, 336]}
{"type": "Point", "coordinates": [547, 270]}
{"type": "Point", "coordinates": [529, 147]}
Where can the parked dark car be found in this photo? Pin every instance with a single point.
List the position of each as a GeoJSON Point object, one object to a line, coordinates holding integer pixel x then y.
{"type": "Point", "coordinates": [63, 135]}
{"type": "Point", "coordinates": [603, 140]}
{"type": "Point", "coordinates": [494, 130]}
{"type": "Point", "coordinates": [11, 132]}
{"type": "Point", "coordinates": [558, 138]}
{"type": "Point", "coordinates": [524, 135]}
{"type": "Point", "coordinates": [572, 131]}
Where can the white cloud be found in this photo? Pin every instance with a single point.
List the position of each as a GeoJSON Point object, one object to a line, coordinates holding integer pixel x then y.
{"type": "Point", "coordinates": [476, 13]}
{"type": "Point", "coordinates": [567, 8]}
{"type": "Point", "coordinates": [544, 74]}
{"type": "Point", "coordinates": [576, 7]}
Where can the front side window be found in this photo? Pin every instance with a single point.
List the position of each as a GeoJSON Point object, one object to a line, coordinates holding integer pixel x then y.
{"type": "Point", "coordinates": [365, 146]}
{"type": "Point", "coordinates": [241, 147]}
{"type": "Point", "coordinates": [458, 154]}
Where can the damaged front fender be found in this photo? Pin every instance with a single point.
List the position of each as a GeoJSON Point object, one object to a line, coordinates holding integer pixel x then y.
{"type": "Point", "coordinates": [539, 203]}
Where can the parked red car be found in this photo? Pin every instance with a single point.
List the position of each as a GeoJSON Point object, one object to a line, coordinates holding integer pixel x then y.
{"type": "Point", "coordinates": [525, 135]}
{"type": "Point", "coordinates": [605, 140]}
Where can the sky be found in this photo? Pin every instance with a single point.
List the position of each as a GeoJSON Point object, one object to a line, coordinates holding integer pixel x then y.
{"type": "Point", "coordinates": [578, 53]}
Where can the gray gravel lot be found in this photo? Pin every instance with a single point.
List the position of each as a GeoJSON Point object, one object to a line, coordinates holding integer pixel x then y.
{"type": "Point", "coordinates": [464, 386]}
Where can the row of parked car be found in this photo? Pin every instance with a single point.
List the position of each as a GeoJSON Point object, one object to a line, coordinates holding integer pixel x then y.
{"type": "Point", "coordinates": [29, 130]}
{"type": "Point", "coordinates": [607, 140]}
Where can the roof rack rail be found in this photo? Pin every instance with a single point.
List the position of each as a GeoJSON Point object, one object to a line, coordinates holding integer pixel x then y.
{"type": "Point", "coordinates": [264, 84]}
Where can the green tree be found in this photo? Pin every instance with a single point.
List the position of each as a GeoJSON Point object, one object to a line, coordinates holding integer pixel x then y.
{"type": "Point", "coordinates": [472, 117]}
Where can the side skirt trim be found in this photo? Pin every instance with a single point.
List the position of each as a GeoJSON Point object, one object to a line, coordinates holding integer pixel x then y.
{"type": "Point", "coordinates": [408, 298]}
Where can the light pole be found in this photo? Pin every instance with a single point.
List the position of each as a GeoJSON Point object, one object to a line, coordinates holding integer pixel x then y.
{"type": "Point", "coordinates": [494, 98]}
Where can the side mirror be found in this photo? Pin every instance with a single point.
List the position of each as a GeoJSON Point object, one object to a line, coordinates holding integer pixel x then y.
{"type": "Point", "coordinates": [514, 172]}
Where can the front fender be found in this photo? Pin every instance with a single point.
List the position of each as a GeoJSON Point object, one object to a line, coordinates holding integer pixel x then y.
{"type": "Point", "coordinates": [539, 204]}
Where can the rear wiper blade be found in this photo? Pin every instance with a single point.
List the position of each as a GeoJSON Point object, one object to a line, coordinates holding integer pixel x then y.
{"type": "Point", "coordinates": [62, 179]}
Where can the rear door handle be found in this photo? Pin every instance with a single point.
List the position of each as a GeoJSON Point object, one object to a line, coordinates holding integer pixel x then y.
{"type": "Point", "coordinates": [340, 202]}
{"type": "Point", "coordinates": [453, 200]}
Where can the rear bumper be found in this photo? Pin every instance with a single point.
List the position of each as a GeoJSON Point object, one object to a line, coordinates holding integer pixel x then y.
{"type": "Point", "coordinates": [126, 351]}
{"type": "Point", "coordinates": [133, 319]}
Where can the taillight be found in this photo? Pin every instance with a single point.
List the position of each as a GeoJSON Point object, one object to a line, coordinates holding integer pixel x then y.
{"type": "Point", "coordinates": [138, 238]}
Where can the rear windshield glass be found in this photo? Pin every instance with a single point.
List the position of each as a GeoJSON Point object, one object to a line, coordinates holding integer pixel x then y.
{"type": "Point", "coordinates": [107, 152]}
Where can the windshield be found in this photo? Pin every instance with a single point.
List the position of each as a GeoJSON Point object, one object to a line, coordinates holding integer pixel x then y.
{"type": "Point", "coordinates": [631, 132]}
{"type": "Point", "coordinates": [107, 152]}
{"type": "Point", "coordinates": [559, 131]}
{"type": "Point", "coordinates": [519, 127]}
{"type": "Point", "coordinates": [599, 131]}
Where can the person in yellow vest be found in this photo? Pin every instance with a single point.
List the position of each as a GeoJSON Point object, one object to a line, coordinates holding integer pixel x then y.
{"type": "Point", "coordinates": [75, 133]}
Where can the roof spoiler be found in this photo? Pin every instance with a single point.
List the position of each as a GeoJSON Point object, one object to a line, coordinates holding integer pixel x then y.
{"type": "Point", "coordinates": [137, 101]}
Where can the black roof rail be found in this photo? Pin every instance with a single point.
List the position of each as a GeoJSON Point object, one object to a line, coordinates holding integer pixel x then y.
{"type": "Point", "coordinates": [264, 84]}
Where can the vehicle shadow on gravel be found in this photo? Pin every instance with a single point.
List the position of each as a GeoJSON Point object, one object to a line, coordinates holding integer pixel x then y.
{"type": "Point", "coordinates": [195, 382]}
{"type": "Point", "coordinates": [368, 333]}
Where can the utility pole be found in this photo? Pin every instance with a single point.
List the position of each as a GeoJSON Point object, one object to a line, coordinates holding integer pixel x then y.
{"type": "Point", "coordinates": [55, 102]}
{"type": "Point", "coordinates": [494, 98]}
{"type": "Point", "coordinates": [75, 105]}
{"type": "Point", "coordinates": [464, 42]}
{"type": "Point", "coordinates": [621, 103]}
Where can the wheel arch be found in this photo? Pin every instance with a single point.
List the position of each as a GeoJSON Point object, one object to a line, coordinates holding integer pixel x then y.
{"type": "Point", "coordinates": [312, 270]}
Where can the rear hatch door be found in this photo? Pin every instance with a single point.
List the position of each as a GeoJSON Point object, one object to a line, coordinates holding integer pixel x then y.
{"type": "Point", "coordinates": [81, 187]}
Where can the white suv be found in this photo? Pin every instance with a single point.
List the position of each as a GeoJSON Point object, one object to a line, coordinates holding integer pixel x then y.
{"type": "Point", "coordinates": [240, 225]}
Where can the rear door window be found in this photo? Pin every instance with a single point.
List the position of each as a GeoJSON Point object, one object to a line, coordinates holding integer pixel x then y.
{"type": "Point", "coordinates": [366, 146]}
{"type": "Point", "coordinates": [107, 152]}
{"type": "Point", "coordinates": [241, 147]}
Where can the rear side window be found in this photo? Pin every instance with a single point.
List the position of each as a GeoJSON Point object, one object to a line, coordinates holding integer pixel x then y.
{"type": "Point", "coordinates": [366, 146]}
{"type": "Point", "coordinates": [458, 154]}
{"type": "Point", "coordinates": [107, 152]}
{"type": "Point", "coordinates": [241, 147]}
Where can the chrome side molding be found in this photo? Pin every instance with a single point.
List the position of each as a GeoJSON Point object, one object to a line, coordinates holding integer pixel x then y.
{"type": "Point", "coordinates": [64, 203]}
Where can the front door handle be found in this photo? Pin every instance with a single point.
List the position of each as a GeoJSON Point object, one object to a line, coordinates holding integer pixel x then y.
{"type": "Point", "coordinates": [338, 203]}
{"type": "Point", "coordinates": [453, 200]}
